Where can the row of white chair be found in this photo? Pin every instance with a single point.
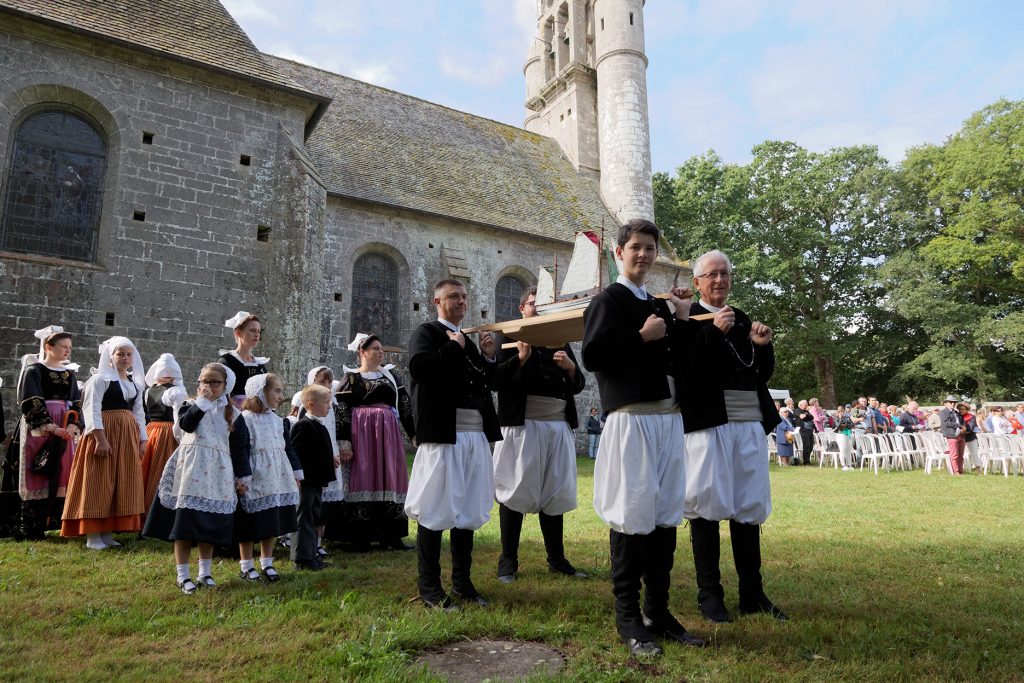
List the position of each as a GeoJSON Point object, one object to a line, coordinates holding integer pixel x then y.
{"type": "Point", "coordinates": [997, 452]}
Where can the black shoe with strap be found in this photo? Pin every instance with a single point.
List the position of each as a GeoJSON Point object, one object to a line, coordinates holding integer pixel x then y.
{"type": "Point", "coordinates": [762, 605]}
{"type": "Point", "coordinates": [713, 608]}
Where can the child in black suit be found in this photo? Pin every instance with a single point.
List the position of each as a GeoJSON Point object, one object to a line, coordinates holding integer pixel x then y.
{"type": "Point", "coordinates": [312, 443]}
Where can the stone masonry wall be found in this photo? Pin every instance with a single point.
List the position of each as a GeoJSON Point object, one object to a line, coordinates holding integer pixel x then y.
{"type": "Point", "coordinates": [171, 279]}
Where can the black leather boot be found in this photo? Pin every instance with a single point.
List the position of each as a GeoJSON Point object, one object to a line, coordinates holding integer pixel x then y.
{"type": "Point", "coordinates": [628, 557]}
{"type": "Point", "coordinates": [657, 578]}
{"type": "Point", "coordinates": [746, 552]}
{"type": "Point", "coordinates": [428, 553]}
{"type": "Point", "coordinates": [462, 563]}
{"type": "Point", "coordinates": [706, 553]}
{"type": "Point", "coordinates": [511, 523]}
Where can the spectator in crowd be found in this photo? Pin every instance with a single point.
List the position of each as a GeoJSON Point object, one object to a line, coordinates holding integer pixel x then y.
{"type": "Point", "coordinates": [877, 423]}
{"type": "Point", "coordinates": [595, 425]}
{"type": "Point", "coordinates": [970, 436]}
{"type": "Point", "coordinates": [859, 415]}
{"type": "Point", "coordinates": [934, 421]}
{"type": "Point", "coordinates": [844, 431]}
{"type": "Point", "coordinates": [819, 415]}
{"type": "Point", "coordinates": [953, 429]}
{"type": "Point", "coordinates": [784, 433]}
{"type": "Point", "coordinates": [909, 419]}
{"type": "Point", "coordinates": [805, 423]}
{"type": "Point", "coordinates": [1014, 421]}
{"type": "Point", "coordinates": [1000, 425]}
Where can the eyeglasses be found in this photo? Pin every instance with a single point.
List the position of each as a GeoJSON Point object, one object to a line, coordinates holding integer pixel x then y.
{"type": "Point", "coordinates": [211, 382]}
{"type": "Point", "coordinates": [722, 275]}
{"type": "Point", "coordinates": [530, 303]}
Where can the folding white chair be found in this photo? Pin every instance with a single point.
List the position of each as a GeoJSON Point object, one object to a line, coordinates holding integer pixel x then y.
{"type": "Point", "coordinates": [998, 448]}
{"type": "Point", "coordinates": [773, 450]}
{"type": "Point", "coordinates": [828, 448]}
{"type": "Point", "coordinates": [935, 445]}
{"type": "Point", "coordinates": [870, 451]}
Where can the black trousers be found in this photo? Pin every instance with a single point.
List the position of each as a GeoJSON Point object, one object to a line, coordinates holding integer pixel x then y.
{"type": "Point", "coordinates": [305, 540]}
{"type": "Point", "coordinates": [636, 559]}
{"type": "Point", "coordinates": [746, 552]}
{"type": "Point", "coordinates": [428, 552]}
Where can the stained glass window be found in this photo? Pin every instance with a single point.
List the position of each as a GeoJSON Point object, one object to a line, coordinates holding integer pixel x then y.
{"type": "Point", "coordinates": [507, 293]}
{"type": "Point", "coordinates": [54, 189]}
{"type": "Point", "coordinates": [375, 298]}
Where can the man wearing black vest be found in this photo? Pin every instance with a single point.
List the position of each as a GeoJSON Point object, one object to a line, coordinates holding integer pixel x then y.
{"type": "Point", "coordinates": [637, 349]}
{"type": "Point", "coordinates": [535, 462]}
{"type": "Point", "coordinates": [451, 486]}
{"type": "Point", "coordinates": [727, 411]}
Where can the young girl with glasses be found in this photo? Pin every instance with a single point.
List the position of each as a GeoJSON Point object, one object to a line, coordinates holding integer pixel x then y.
{"type": "Point", "coordinates": [199, 488]}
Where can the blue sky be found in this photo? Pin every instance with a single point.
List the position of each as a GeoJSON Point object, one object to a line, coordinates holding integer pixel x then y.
{"type": "Point", "coordinates": [723, 74]}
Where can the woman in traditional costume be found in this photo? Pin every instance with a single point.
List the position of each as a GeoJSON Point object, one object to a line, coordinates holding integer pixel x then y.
{"type": "Point", "coordinates": [372, 401]}
{"type": "Point", "coordinates": [47, 391]}
{"type": "Point", "coordinates": [241, 361]}
{"type": "Point", "coordinates": [164, 396]}
{"type": "Point", "coordinates": [105, 491]}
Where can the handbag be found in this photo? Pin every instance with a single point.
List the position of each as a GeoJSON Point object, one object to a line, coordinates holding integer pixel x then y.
{"type": "Point", "coordinates": [789, 437]}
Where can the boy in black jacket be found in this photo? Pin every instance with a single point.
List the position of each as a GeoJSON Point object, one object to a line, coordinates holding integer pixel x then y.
{"type": "Point", "coordinates": [638, 350]}
{"type": "Point", "coordinates": [312, 443]}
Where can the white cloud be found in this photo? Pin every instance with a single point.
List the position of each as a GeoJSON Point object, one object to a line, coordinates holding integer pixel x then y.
{"type": "Point", "coordinates": [330, 60]}
{"type": "Point", "coordinates": [256, 11]}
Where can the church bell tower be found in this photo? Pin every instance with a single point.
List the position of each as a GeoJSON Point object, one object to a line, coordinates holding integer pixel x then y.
{"type": "Point", "coordinates": [586, 86]}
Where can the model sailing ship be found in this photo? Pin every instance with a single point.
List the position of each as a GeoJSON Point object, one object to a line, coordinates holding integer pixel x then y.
{"type": "Point", "coordinates": [559, 320]}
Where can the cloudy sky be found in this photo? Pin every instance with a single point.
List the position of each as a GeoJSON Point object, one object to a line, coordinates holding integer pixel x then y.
{"type": "Point", "coordinates": [723, 74]}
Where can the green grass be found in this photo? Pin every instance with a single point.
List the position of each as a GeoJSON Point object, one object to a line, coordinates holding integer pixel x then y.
{"type": "Point", "coordinates": [894, 577]}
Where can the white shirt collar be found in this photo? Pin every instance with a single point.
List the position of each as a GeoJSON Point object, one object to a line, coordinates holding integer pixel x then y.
{"type": "Point", "coordinates": [713, 309]}
{"type": "Point", "coordinates": [450, 325]}
{"type": "Point", "coordinates": [639, 292]}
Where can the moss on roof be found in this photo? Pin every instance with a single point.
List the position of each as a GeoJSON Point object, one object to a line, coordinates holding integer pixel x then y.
{"type": "Point", "coordinates": [200, 32]}
{"type": "Point", "coordinates": [387, 147]}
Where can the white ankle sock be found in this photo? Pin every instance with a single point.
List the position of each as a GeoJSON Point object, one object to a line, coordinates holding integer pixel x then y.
{"type": "Point", "coordinates": [266, 562]}
{"type": "Point", "coordinates": [205, 567]}
{"type": "Point", "coordinates": [246, 565]}
{"type": "Point", "coordinates": [182, 572]}
{"type": "Point", "coordinates": [108, 538]}
{"type": "Point", "coordinates": [95, 542]}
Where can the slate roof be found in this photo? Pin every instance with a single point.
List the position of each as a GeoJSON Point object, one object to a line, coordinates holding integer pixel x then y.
{"type": "Point", "coordinates": [198, 32]}
{"type": "Point", "coordinates": [386, 147]}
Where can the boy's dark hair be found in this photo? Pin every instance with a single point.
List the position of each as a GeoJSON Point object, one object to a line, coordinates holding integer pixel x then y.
{"type": "Point", "coordinates": [638, 225]}
{"type": "Point", "coordinates": [527, 293]}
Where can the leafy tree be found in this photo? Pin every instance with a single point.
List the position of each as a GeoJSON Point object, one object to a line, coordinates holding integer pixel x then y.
{"type": "Point", "coordinates": [964, 286]}
{"type": "Point", "coordinates": [805, 232]}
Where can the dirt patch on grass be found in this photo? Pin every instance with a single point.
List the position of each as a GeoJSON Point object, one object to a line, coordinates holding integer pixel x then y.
{"type": "Point", "coordinates": [491, 660]}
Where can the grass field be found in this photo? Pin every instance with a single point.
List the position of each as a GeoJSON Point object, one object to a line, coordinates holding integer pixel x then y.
{"type": "Point", "coordinates": [894, 577]}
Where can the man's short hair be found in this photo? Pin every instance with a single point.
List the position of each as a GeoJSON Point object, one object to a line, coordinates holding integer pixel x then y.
{"type": "Point", "coordinates": [314, 392]}
{"type": "Point", "coordinates": [530, 291]}
{"type": "Point", "coordinates": [638, 225]}
{"type": "Point", "coordinates": [698, 265]}
{"type": "Point", "coordinates": [449, 282]}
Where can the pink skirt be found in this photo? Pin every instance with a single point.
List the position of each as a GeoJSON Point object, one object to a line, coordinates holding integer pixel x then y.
{"type": "Point", "coordinates": [378, 470]}
{"type": "Point", "coordinates": [34, 486]}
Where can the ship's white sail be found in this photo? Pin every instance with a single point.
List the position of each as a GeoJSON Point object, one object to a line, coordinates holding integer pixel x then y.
{"type": "Point", "coordinates": [545, 287]}
{"type": "Point", "coordinates": [584, 273]}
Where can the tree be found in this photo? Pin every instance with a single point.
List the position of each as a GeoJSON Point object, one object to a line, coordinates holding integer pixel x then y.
{"type": "Point", "coordinates": [805, 232]}
{"type": "Point", "coordinates": [966, 281]}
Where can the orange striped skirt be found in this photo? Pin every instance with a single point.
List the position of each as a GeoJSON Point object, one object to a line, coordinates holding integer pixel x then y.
{"type": "Point", "coordinates": [105, 492]}
{"type": "Point", "coordinates": [158, 450]}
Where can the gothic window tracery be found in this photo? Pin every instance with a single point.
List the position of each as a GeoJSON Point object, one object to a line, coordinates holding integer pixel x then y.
{"type": "Point", "coordinates": [375, 298]}
{"type": "Point", "coordinates": [52, 198]}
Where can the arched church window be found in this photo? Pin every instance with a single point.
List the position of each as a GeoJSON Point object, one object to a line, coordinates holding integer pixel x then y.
{"type": "Point", "coordinates": [375, 298]}
{"type": "Point", "coordinates": [507, 293]}
{"type": "Point", "coordinates": [54, 188]}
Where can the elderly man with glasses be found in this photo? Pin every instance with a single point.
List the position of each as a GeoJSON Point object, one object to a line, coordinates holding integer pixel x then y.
{"type": "Point", "coordinates": [727, 411]}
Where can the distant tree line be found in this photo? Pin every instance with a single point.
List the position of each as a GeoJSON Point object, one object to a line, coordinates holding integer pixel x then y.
{"type": "Point", "coordinates": [892, 280]}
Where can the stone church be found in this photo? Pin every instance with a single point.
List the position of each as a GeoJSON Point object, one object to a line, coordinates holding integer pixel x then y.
{"type": "Point", "coordinates": [160, 173]}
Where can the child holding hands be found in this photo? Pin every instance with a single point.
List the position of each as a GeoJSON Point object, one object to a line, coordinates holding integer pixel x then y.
{"type": "Point", "coordinates": [312, 443]}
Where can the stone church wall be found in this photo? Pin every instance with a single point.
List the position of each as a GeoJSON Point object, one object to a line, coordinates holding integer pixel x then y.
{"type": "Point", "coordinates": [171, 279]}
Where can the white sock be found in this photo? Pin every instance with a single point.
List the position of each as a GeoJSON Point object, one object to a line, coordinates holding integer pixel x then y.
{"type": "Point", "coordinates": [266, 562]}
{"type": "Point", "coordinates": [108, 538]}
{"type": "Point", "coordinates": [205, 567]}
{"type": "Point", "coordinates": [95, 542]}
{"type": "Point", "coordinates": [246, 565]}
{"type": "Point", "coordinates": [182, 572]}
